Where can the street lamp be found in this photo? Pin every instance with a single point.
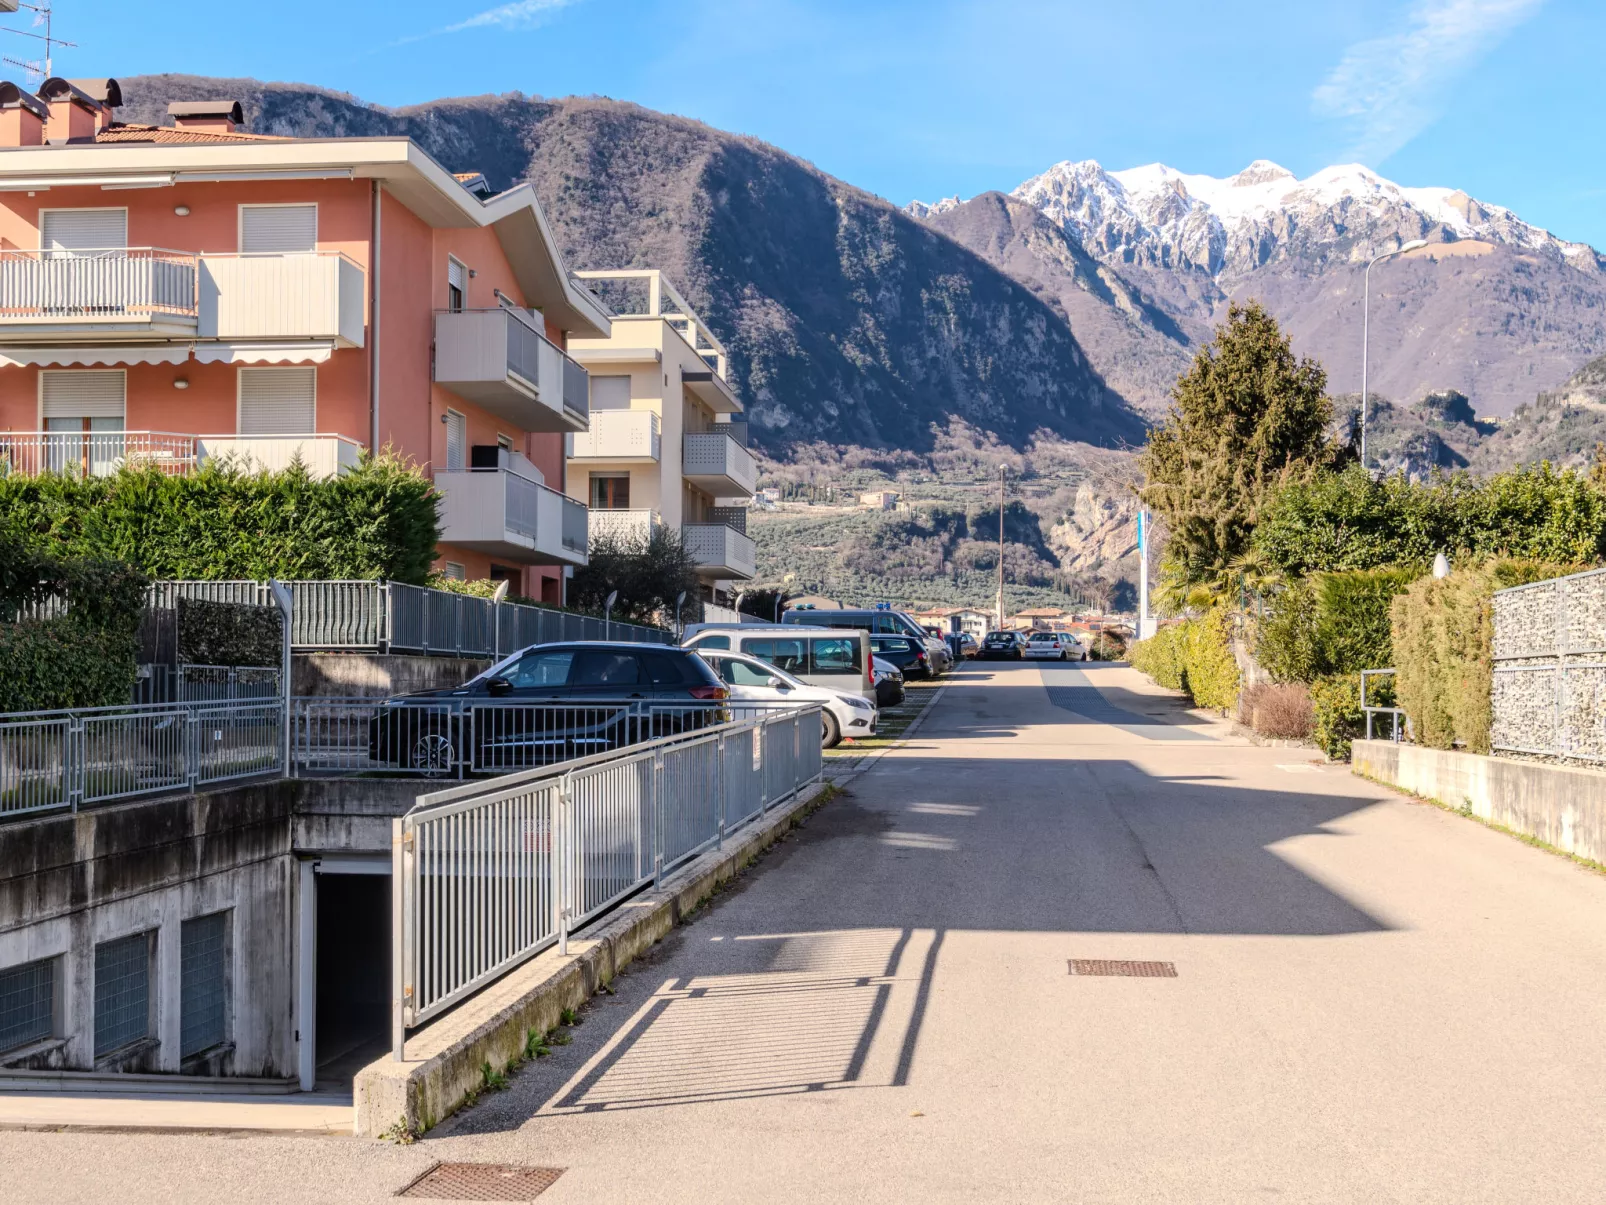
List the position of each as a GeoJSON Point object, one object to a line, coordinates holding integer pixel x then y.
{"type": "Point", "coordinates": [1366, 306]}
{"type": "Point", "coordinates": [607, 614]}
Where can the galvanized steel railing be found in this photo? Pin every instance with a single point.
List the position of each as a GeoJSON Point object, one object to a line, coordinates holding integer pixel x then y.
{"type": "Point", "coordinates": [487, 876]}
{"type": "Point", "coordinates": [113, 282]}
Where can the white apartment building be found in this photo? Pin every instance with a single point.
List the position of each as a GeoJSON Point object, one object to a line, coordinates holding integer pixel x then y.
{"type": "Point", "coordinates": [666, 445]}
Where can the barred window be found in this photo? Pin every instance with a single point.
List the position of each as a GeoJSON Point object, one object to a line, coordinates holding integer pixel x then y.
{"type": "Point", "coordinates": [203, 983]}
{"type": "Point", "coordinates": [27, 1003]}
{"type": "Point", "coordinates": [122, 991]}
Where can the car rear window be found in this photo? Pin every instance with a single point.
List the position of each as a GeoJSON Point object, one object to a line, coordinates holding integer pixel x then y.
{"type": "Point", "coordinates": [712, 642]}
{"type": "Point", "coordinates": [666, 669]}
{"type": "Point", "coordinates": [603, 667]}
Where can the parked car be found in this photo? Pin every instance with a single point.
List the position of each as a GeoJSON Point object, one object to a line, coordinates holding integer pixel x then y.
{"type": "Point", "coordinates": [820, 656]}
{"type": "Point", "coordinates": [1045, 645]}
{"type": "Point", "coordinates": [911, 656]}
{"type": "Point", "coordinates": [969, 646]}
{"type": "Point", "coordinates": [579, 698]}
{"type": "Point", "coordinates": [843, 713]}
{"type": "Point", "coordinates": [876, 622]}
{"type": "Point", "coordinates": [1075, 650]}
{"type": "Point", "coordinates": [888, 683]}
{"type": "Point", "coordinates": [1000, 646]}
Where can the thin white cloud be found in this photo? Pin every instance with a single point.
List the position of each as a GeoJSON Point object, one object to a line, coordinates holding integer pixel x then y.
{"type": "Point", "coordinates": [1388, 90]}
{"type": "Point", "coordinates": [518, 15]}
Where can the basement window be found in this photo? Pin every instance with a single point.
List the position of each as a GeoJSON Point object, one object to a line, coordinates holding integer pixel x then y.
{"type": "Point", "coordinates": [203, 990]}
{"type": "Point", "coordinates": [123, 991]}
{"type": "Point", "coordinates": [27, 1003]}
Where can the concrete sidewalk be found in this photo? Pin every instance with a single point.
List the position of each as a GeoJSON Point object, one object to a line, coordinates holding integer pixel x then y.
{"type": "Point", "coordinates": [300, 1113]}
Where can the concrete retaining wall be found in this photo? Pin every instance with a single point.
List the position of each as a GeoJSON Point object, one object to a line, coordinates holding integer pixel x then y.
{"type": "Point", "coordinates": [1563, 806]}
{"type": "Point", "coordinates": [376, 675]}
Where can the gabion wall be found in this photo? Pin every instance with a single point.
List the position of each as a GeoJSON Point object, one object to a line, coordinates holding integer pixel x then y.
{"type": "Point", "coordinates": [1550, 668]}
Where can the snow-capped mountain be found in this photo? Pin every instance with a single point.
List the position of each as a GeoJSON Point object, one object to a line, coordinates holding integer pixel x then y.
{"type": "Point", "coordinates": [1158, 217]}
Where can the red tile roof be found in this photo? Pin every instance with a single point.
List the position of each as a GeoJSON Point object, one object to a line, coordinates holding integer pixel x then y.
{"type": "Point", "coordinates": [172, 134]}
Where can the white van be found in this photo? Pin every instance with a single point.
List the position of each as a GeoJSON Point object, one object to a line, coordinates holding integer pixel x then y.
{"type": "Point", "coordinates": [834, 658]}
{"type": "Point", "coordinates": [844, 712]}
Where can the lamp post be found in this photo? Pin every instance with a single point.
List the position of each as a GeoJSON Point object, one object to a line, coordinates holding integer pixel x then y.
{"type": "Point", "coordinates": [607, 614]}
{"type": "Point", "coordinates": [1366, 325]}
{"type": "Point", "coordinates": [680, 601]}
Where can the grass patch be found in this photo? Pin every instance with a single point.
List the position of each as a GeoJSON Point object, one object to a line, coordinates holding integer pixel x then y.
{"type": "Point", "coordinates": [892, 723]}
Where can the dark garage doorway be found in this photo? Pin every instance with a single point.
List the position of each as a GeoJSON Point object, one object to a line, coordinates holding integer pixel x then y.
{"type": "Point", "coordinates": [353, 1025]}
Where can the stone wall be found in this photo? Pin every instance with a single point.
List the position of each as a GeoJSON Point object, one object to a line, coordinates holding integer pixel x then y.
{"type": "Point", "coordinates": [1549, 690]}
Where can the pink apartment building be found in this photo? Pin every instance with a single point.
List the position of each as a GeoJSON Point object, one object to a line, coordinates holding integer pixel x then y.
{"type": "Point", "coordinates": [177, 293]}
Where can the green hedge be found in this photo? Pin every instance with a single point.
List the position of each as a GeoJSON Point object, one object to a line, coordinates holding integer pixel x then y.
{"type": "Point", "coordinates": [377, 521]}
{"type": "Point", "coordinates": [1336, 704]}
{"type": "Point", "coordinates": [219, 633]}
{"type": "Point", "coordinates": [1194, 656]}
{"type": "Point", "coordinates": [1331, 623]}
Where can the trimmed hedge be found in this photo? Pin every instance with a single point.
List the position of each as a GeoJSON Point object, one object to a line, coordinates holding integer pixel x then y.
{"type": "Point", "coordinates": [1331, 623]}
{"type": "Point", "coordinates": [379, 520]}
{"type": "Point", "coordinates": [219, 633]}
{"type": "Point", "coordinates": [1336, 706]}
{"type": "Point", "coordinates": [1194, 656]}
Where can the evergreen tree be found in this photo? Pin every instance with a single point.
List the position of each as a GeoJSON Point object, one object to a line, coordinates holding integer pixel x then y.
{"type": "Point", "coordinates": [1245, 418]}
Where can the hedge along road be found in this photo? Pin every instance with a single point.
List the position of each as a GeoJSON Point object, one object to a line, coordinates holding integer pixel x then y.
{"type": "Point", "coordinates": [1374, 1000]}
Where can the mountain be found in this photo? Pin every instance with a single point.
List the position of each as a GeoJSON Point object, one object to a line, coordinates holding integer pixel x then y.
{"type": "Point", "coordinates": [1494, 307]}
{"type": "Point", "coordinates": [846, 319]}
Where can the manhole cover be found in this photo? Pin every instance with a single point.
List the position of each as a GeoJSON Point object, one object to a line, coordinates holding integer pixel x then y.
{"type": "Point", "coordinates": [482, 1182]}
{"type": "Point", "coordinates": [1123, 966]}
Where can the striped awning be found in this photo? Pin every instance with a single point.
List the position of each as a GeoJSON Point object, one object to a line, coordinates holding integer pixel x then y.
{"type": "Point", "coordinates": [89, 357]}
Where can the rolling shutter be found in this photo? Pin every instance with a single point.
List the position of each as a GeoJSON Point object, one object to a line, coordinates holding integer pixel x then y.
{"type": "Point", "coordinates": [99, 394]}
{"type": "Point", "coordinates": [278, 229]}
{"type": "Point", "coordinates": [278, 401]}
{"type": "Point", "coordinates": [456, 442]}
{"type": "Point", "coordinates": [83, 229]}
{"type": "Point", "coordinates": [610, 393]}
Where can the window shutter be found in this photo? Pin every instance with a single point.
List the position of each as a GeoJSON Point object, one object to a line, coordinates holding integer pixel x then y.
{"type": "Point", "coordinates": [457, 276]}
{"type": "Point", "coordinates": [456, 441]}
{"type": "Point", "coordinates": [278, 229]}
{"type": "Point", "coordinates": [610, 393]}
{"type": "Point", "coordinates": [278, 401]}
{"type": "Point", "coordinates": [99, 394]}
{"type": "Point", "coordinates": [83, 229]}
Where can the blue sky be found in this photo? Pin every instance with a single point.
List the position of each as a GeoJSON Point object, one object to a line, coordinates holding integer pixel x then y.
{"type": "Point", "coordinates": [924, 99]}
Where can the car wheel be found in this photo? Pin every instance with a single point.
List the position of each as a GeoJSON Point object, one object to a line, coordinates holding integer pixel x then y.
{"type": "Point", "coordinates": [434, 755]}
{"type": "Point", "coordinates": [830, 731]}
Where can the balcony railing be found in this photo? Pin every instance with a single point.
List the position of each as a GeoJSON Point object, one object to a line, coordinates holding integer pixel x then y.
{"type": "Point", "coordinates": [625, 526]}
{"type": "Point", "coordinates": [101, 453]}
{"type": "Point", "coordinates": [505, 514]}
{"type": "Point", "coordinates": [720, 551]}
{"type": "Point", "coordinates": [121, 283]}
{"type": "Point", "coordinates": [716, 462]}
{"type": "Point", "coordinates": [500, 360]}
{"type": "Point", "coordinates": [151, 292]}
{"type": "Point", "coordinates": [618, 435]}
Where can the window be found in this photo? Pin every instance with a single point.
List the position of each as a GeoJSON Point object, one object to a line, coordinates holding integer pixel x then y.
{"type": "Point", "coordinates": [713, 642]}
{"type": "Point", "coordinates": [834, 655]}
{"type": "Point", "coordinates": [122, 991]}
{"type": "Point", "coordinates": [610, 492]}
{"type": "Point", "coordinates": [456, 441]}
{"type": "Point", "coordinates": [535, 670]}
{"type": "Point", "coordinates": [595, 667]}
{"type": "Point", "coordinates": [456, 285]}
{"type": "Point", "coordinates": [203, 988]}
{"type": "Point", "coordinates": [454, 571]}
{"type": "Point", "coordinates": [68, 400]}
{"type": "Point", "coordinates": [278, 401]}
{"type": "Point", "coordinates": [742, 673]}
{"type": "Point", "coordinates": [278, 229]}
{"type": "Point", "coordinates": [790, 655]}
{"type": "Point", "coordinates": [69, 230]}
{"type": "Point", "coordinates": [27, 1003]}
{"type": "Point", "coordinates": [610, 393]}
{"type": "Point", "coordinates": [665, 669]}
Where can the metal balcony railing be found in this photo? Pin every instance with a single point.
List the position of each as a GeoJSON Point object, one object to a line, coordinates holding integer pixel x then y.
{"type": "Point", "coordinates": [721, 549]}
{"type": "Point", "coordinates": [100, 453]}
{"type": "Point", "coordinates": [618, 435]}
{"type": "Point", "coordinates": [717, 458]}
{"type": "Point", "coordinates": [114, 282]}
{"type": "Point", "coordinates": [629, 526]}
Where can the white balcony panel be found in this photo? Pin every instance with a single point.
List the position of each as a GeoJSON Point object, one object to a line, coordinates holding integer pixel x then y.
{"type": "Point", "coordinates": [618, 435]}
{"type": "Point", "coordinates": [721, 552]}
{"type": "Point", "coordinates": [510, 517]}
{"type": "Point", "coordinates": [497, 359]}
{"type": "Point", "coordinates": [626, 526]}
{"type": "Point", "coordinates": [305, 296]}
{"type": "Point", "coordinates": [323, 455]}
{"type": "Point", "coordinates": [719, 464]}
{"type": "Point", "coordinates": [125, 293]}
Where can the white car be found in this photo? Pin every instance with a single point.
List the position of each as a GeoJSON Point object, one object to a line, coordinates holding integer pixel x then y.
{"type": "Point", "coordinates": [1050, 645]}
{"type": "Point", "coordinates": [844, 713]}
{"type": "Point", "coordinates": [1075, 650]}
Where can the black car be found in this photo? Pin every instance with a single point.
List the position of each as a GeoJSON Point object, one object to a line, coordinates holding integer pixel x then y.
{"type": "Point", "coordinates": [550, 703]}
{"type": "Point", "coordinates": [1005, 645]}
{"type": "Point", "coordinates": [910, 655]}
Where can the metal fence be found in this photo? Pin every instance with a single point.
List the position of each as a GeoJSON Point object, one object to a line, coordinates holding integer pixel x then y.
{"type": "Point", "coordinates": [1399, 722]}
{"type": "Point", "coordinates": [68, 759]}
{"type": "Point", "coordinates": [207, 683]}
{"type": "Point", "coordinates": [388, 617]}
{"type": "Point", "coordinates": [1548, 694]}
{"type": "Point", "coordinates": [487, 876]}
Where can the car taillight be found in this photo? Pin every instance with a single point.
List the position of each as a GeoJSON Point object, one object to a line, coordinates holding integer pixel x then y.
{"type": "Point", "coordinates": [709, 692]}
{"type": "Point", "coordinates": [921, 657]}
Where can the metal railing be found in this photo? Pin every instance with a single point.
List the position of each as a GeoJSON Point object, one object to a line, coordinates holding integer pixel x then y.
{"type": "Point", "coordinates": [114, 282]}
{"type": "Point", "coordinates": [630, 526]}
{"type": "Point", "coordinates": [361, 616]}
{"type": "Point", "coordinates": [185, 683]}
{"type": "Point", "coordinates": [1401, 722]}
{"type": "Point", "coordinates": [68, 759]}
{"type": "Point", "coordinates": [717, 454]}
{"type": "Point", "coordinates": [487, 876]}
{"type": "Point", "coordinates": [618, 435]}
{"type": "Point", "coordinates": [100, 453]}
{"type": "Point", "coordinates": [721, 548]}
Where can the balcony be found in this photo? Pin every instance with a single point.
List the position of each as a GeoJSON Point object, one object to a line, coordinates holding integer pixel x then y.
{"type": "Point", "coordinates": [625, 526]}
{"type": "Point", "coordinates": [507, 515]}
{"type": "Point", "coordinates": [499, 360]}
{"type": "Point", "coordinates": [148, 294]}
{"type": "Point", "coordinates": [721, 552]}
{"type": "Point", "coordinates": [716, 462]}
{"type": "Point", "coordinates": [618, 436]}
{"type": "Point", "coordinates": [101, 453]}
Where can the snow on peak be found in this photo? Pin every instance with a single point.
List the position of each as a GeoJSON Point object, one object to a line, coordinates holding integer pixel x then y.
{"type": "Point", "coordinates": [922, 210]}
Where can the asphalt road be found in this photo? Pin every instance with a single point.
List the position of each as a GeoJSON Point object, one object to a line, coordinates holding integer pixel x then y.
{"type": "Point", "coordinates": [1374, 1000]}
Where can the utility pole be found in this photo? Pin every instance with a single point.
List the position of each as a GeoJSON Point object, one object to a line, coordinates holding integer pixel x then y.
{"type": "Point", "coordinates": [1000, 548]}
{"type": "Point", "coordinates": [1143, 575]}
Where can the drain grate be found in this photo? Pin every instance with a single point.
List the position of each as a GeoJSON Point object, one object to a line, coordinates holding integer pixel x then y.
{"type": "Point", "coordinates": [482, 1182]}
{"type": "Point", "coordinates": [1123, 966]}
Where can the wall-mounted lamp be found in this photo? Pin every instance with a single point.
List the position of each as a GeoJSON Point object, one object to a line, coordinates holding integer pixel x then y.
{"type": "Point", "coordinates": [182, 211]}
{"type": "Point", "coordinates": [443, 418]}
{"type": "Point", "coordinates": [472, 273]}
{"type": "Point", "coordinates": [181, 383]}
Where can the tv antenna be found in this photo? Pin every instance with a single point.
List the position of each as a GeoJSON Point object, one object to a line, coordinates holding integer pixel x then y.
{"type": "Point", "coordinates": [42, 15]}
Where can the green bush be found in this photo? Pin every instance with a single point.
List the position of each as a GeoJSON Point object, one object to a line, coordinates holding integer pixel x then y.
{"type": "Point", "coordinates": [1161, 656]}
{"type": "Point", "coordinates": [1285, 637]}
{"type": "Point", "coordinates": [646, 573]}
{"type": "Point", "coordinates": [1194, 656]}
{"type": "Point", "coordinates": [1336, 704]}
{"type": "Point", "coordinates": [219, 633]}
{"type": "Point", "coordinates": [1443, 632]}
{"type": "Point", "coordinates": [1331, 623]}
{"type": "Point", "coordinates": [378, 521]}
